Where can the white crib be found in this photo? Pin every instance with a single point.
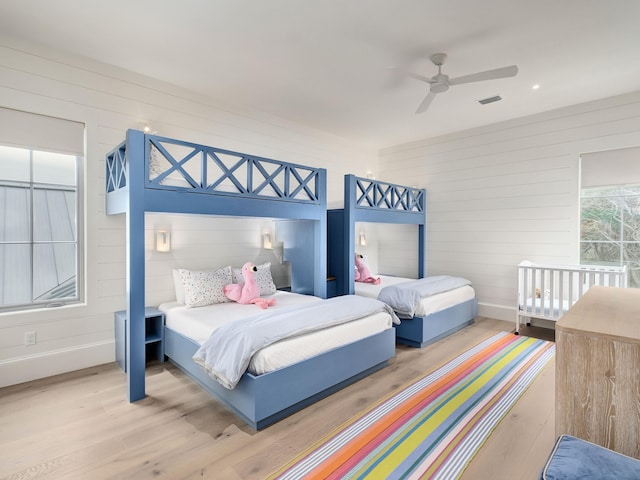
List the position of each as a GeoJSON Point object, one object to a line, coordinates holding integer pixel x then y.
{"type": "Point", "coordinates": [548, 291]}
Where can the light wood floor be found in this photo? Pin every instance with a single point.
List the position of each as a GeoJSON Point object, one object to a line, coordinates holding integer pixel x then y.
{"type": "Point", "coordinates": [80, 426]}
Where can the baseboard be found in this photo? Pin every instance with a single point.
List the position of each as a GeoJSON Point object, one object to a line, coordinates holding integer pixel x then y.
{"type": "Point", "coordinates": [499, 312]}
{"type": "Point", "coordinates": [32, 367]}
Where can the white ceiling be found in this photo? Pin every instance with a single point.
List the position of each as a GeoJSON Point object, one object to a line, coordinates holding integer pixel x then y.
{"type": "Point", "coordinates": [325, 63]}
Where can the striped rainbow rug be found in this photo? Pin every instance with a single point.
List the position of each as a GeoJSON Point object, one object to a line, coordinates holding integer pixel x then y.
{"type": "Point", "coordinates": [433, 427]}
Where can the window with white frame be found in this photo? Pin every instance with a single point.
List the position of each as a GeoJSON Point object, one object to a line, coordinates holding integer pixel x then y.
{"type": "Point", "coordinates": [610, 210]}
{"type": "Point", "coordinates": [40, 211]}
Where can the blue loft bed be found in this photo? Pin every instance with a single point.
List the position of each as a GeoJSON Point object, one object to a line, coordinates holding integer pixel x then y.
{"type": "Point", "coordinates": [149, 173]}
{"type": "Point", "coordinates": [368, 200]}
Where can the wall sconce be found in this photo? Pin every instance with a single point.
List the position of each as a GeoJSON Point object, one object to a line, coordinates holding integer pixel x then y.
{"type": "Point", "coordinates": [163, 241]}
{"type": "Point", "coordinates": [266, 241]}
{"type": "Point", "coordinates": [362, 240]}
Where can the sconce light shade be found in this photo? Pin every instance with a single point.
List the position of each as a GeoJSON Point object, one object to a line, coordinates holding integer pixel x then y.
{"type": "Point", "coordinates": [163, 241]}
{"type": "Point", "coordinates": [266, 241]}
{"type": "Point", "coordinates": [362, 240]}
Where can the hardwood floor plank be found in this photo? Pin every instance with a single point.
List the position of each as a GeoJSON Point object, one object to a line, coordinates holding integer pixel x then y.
{"type": "Point", "coordinates": [80, 425]}
{"type": "Point", "coordinates": [518, 447]}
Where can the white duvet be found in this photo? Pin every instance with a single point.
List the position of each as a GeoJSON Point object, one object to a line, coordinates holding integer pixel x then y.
{"type": "Point", "coordinates": [427, 305]}
{"type": "Point", "coordinates": [227, 352]}
{"type": "Point", "coordinates": [198, 324]}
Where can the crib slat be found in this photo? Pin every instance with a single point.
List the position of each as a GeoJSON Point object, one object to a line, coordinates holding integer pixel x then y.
{"type": "Point", "coordinates": [533, 290]}
{"type": "Point", "coordinates": [524, 289]}
{"type": "Point", "coordinates": [543, 274]}
{"type": "Point", "coordinates": [571, 291]}
{"type": "Point", "coordinates": [561, 275]}
{"type": "Point", "coordinates": [552, 294]}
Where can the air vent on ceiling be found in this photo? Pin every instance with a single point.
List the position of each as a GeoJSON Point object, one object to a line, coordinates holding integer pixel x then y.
{"type": "Point", "coordinates": [484, 101]}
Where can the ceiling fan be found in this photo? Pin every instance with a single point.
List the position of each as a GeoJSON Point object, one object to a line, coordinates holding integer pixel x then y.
{"type": "Point", "coordinates": [440, 83]}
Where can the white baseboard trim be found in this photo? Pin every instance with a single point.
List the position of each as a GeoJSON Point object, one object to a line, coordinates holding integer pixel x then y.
{"type": "Point", "coordinates": [32, 367]}
{"type": "Point", "coordinates": [499, 312]}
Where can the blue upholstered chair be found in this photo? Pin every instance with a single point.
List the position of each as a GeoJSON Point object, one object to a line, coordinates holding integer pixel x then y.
{"type": "Point", "coordinates": [572, 459]}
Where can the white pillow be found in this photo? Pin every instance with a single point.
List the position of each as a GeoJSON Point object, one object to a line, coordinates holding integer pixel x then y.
{"type": "Point", "coordinates": [177, 284]}
{"type": "Point", "coordinates": [263, 278]}
{"type": "Point", "coordinates": [205, 287]}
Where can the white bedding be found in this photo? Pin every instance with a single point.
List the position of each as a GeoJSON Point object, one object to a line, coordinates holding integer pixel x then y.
{"type": "Point", "coordinates": [534, 308]}
{"type": "Point", "coordinates": [198, 323]}
{"type": "Point", "coordinates": [428, 305]}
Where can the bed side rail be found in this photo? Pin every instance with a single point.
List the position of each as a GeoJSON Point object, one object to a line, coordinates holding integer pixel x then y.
{"type": "Point", "coordinates": [376, 195]}
{"type": "Point", "coordinates": [176, 165]}
{"type": "Point", "coordinates": [117, 188]}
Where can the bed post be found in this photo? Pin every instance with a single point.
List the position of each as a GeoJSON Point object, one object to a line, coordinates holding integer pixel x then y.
{"type": "Point", "coordinates": [135, 261]}
{"type": "Point", "coordinates": [422, 237]}
{"type": "Point", "coordinates": [349, 232]}
{"type": "Point", "coordinates": [320, 238]}
{"type": "Point", "coordinates": [422, 258]}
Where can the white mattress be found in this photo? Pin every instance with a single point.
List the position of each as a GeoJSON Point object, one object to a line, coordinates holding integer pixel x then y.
{"type": "Point", "coordinates": [198, 324]}
{"type": "Point", "coordinates": [534, 308]}
{"type": "Point", "coordinates": [428, 305]}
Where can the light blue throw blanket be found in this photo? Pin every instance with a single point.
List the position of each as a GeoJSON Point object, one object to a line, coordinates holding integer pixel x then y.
{"type": "Point", "coordinates": [404, 297]}
{"type": "Point", "coordinates": [227, 352]}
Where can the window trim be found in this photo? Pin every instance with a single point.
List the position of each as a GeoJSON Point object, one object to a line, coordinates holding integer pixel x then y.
{"type": "Point", "coordinates": [80, 241]}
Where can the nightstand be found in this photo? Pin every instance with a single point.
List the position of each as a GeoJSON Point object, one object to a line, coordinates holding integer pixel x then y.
{"type": "Point", "coordinates": [153, 337]}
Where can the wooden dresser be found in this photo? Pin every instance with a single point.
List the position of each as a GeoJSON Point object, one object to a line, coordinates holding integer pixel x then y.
{"type": "Point", "coordinates": [598, 369]}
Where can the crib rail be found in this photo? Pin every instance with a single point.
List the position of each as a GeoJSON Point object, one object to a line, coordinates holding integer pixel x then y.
{"type": "Point", "coordinates": [548, 291]}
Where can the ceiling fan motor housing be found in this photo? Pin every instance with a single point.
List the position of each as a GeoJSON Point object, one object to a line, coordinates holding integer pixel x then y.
{"type": "Point", "coordinates": [441, 83]}
{"type": "Point", "coordinates": [439, 58]}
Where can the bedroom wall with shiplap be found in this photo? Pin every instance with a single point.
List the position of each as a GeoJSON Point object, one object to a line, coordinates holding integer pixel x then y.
{"type": "Point", "coordinates": [110, 101]}
{"type": "Point", "coordinates": [507, 192]}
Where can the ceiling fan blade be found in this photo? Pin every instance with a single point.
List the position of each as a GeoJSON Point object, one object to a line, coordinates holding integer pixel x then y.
{"type": "Point", "coordinates": [503, 72]}
{"type": "Point", "coordinates": [426, 102]}
{"type": "Point", "coordinates": [422, 78]}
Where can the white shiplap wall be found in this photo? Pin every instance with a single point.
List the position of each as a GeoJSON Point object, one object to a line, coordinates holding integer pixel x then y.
{"type": "Point", "coordinates": [109, 101]}
{"type": "Point", "coordinates": [496, 195]}
{"type": "Point", "coordinates": [507, 192]}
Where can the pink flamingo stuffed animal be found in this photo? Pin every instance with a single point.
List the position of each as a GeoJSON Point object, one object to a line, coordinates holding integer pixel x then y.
{"type": "Point", "coordinates": [363, 274]}
{"type": "Point", "coordinates": [247, 292]}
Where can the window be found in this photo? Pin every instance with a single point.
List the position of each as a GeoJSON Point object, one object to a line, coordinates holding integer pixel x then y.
{"type": "Point", "coordinates": [40, 213]}
{"type": "Point", "coordinates": [610, 228]}
{"type": "Point", "coordinates": [610, 210]}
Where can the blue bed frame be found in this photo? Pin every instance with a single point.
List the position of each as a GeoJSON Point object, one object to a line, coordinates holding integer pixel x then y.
{"type": "Point", "coordinates": [369, 200]}
{"type": "Point", "coordinates": [261, 188]}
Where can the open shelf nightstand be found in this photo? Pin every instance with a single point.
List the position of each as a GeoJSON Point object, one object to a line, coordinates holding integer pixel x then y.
{"type": "Point", "coordinates": [153, 339]}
